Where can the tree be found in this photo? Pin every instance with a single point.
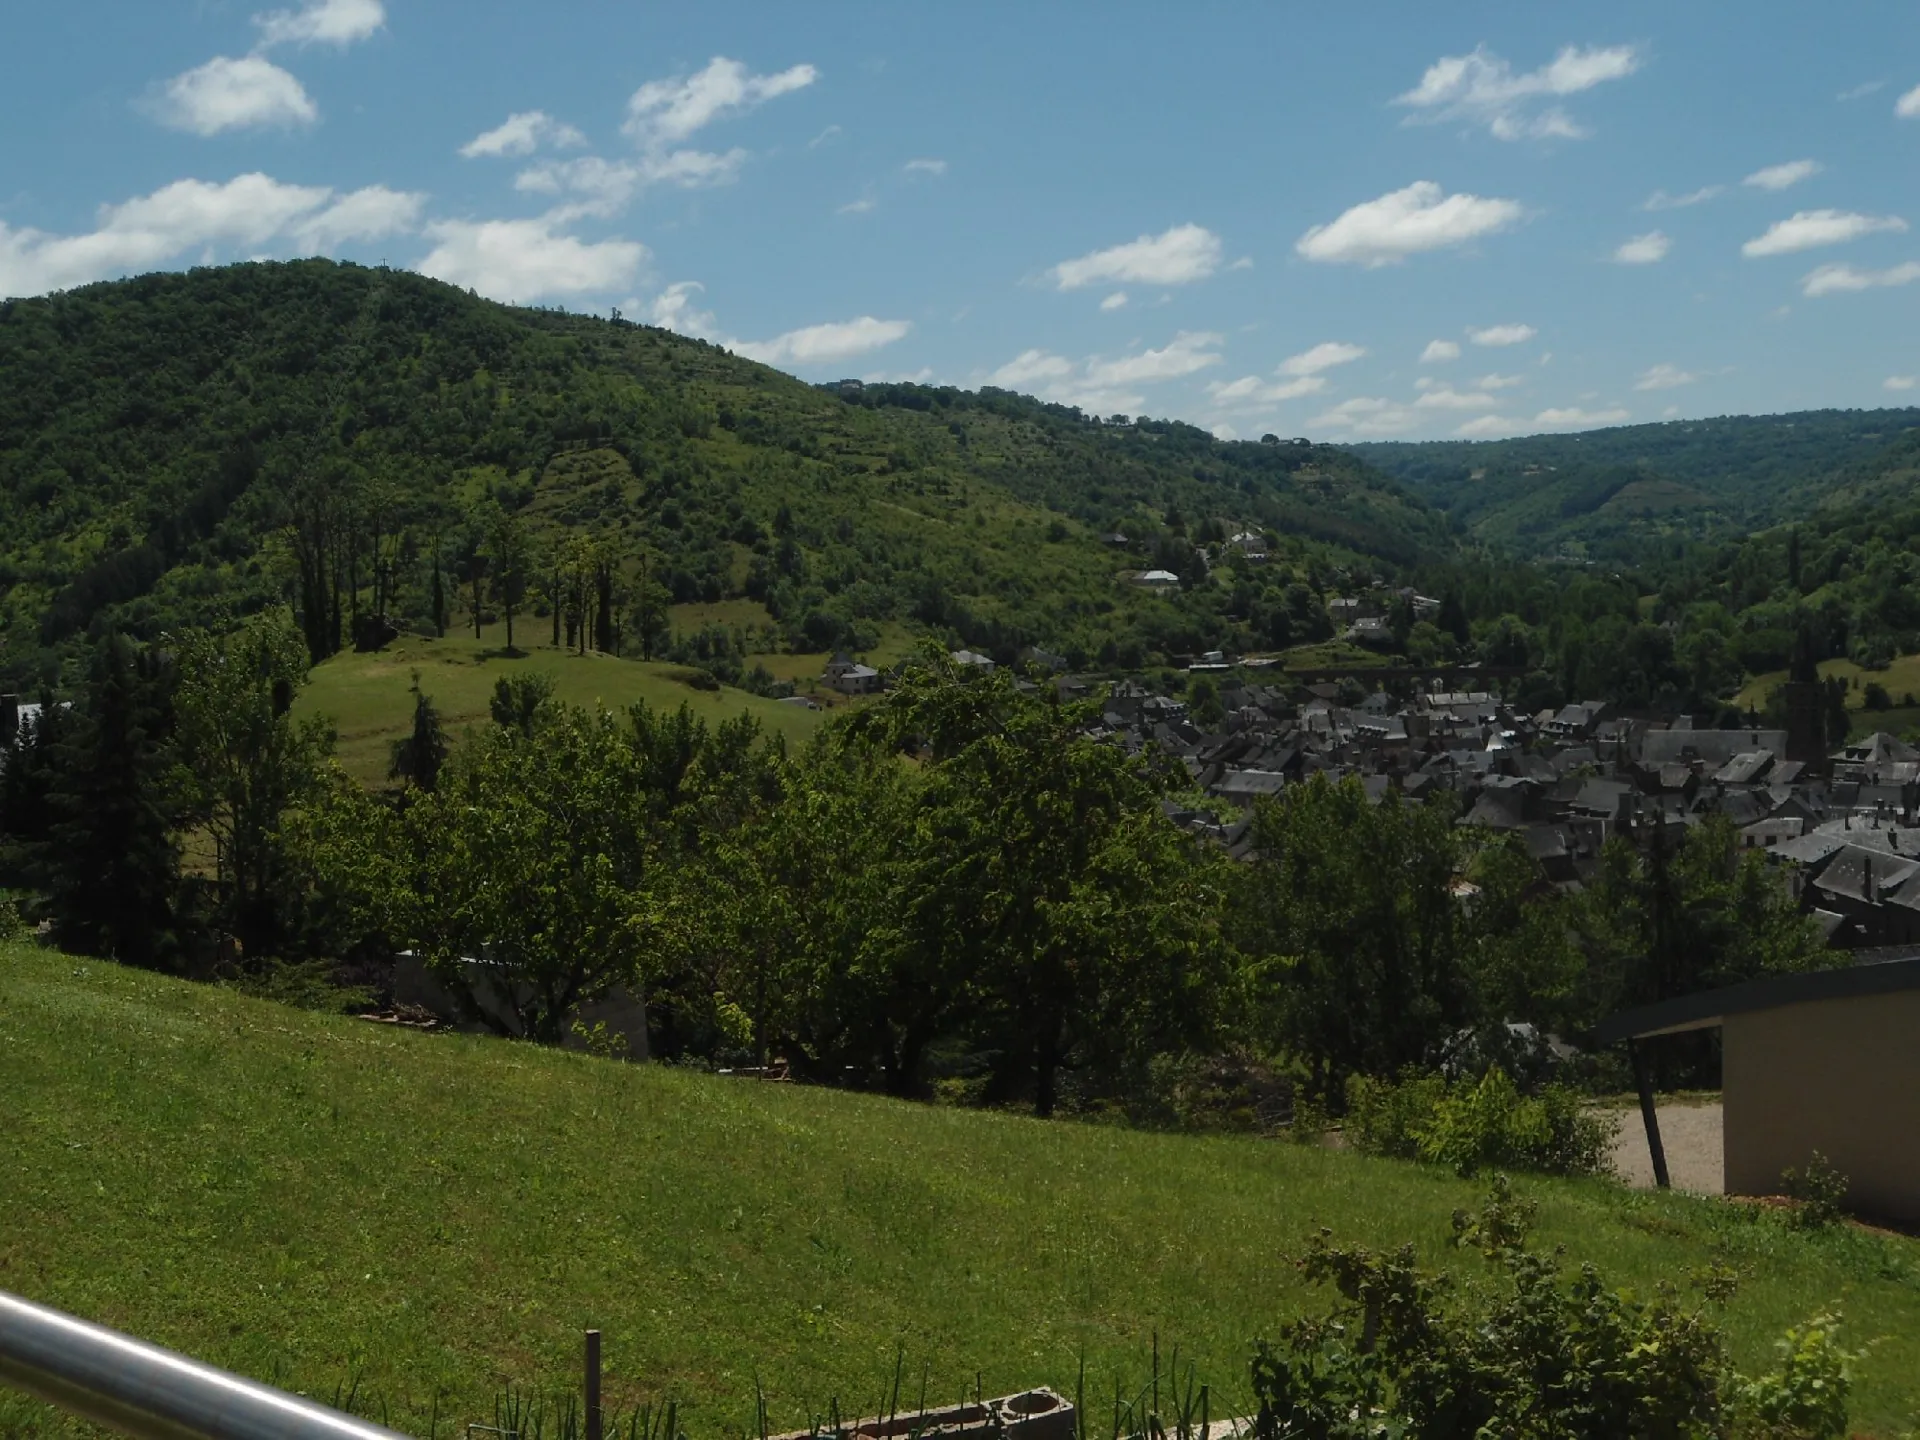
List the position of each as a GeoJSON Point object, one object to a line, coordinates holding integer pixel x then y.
{"type": "Point", "coordinates": [523, 879]}
{"type": "Point", "coordinates": [508, 554]}
{"type": "Point", "coordinates": [420, 755]}
{"type": "Point", "coordinates": [1350, 926]}
{"type": "Point", "coordinates": [517, 700]}
{"type": "Point", "coordinates": [437, 597]}
{"type": "Point", "coordinates": [1044, 890]}
{"type": "Point", "coordinates": [248, 761]}
{"type": "Point", "coordinates": [111, 866]}
{"type": "Point", "coordinates": [29, 772]}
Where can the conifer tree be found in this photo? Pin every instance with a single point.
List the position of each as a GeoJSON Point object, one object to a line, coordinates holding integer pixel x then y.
{"type": "Point", "coordinates": [111, 867]}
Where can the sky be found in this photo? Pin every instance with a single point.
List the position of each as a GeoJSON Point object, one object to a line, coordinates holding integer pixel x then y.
{"type": "Point", "coordinates": [1391, 221]}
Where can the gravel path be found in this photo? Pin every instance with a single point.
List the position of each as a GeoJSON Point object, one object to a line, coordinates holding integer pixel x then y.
{"type": "Point", "coordinates": [1691, 1136]}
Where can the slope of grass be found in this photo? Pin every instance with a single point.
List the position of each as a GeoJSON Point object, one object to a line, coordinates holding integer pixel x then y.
{"type": "Point", "coordinates": [305, 1198]}
{"type": "Point", "coordinates": [369, 698]}
{"type": "Point", "coordinates": [1900, 679]}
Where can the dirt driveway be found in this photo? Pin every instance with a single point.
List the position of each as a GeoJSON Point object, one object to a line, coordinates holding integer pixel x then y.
{"type": "Point", "coordinates": [1691, 1136]}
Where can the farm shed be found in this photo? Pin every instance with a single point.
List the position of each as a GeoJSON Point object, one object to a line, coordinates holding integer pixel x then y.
{"type": "Point", "coordinates": [1828, 1061]}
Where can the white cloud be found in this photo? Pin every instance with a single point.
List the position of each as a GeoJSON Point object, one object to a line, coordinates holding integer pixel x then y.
{"type": "Point", "coordinates": [1810, 228]}
{"type": "Point", "coordinates": [520, 261]}
{"type": "Point", "coordinates": [1664, 377]}
{"type": "Point", "coordinates": [1406, 222]}
{"type": "Point", "coordinates": [1252, 391]}
{"type": "Point", "coordinates": [1189, 351]}
{"type": "Point", "coordinates": [1499, 335]}
{"type": "Point", "coordinates": [832, 132]}
{"type": "Point", "coordinates": [1487, 427]}
{"type": "Point", "coordinates": [1661, 200]}
{"type": "Point", "coordinates": [1837, 279]}
{"type": "Point", "coordinates": [664, 113]}
{"type": "Point", "coordinates": [1573, 417]}
{"type": "Point", "coordinates": [925, 167]}
{"type": "Point", "coordinates": [189, 216]}
{"type": "Point", "coordinates": [1482, 89]}
{"type": "Point", "coordinates": [1031, 367]}
{"type": "Point", "coordinates": [1907, 107]}
{"type": "Point", "coordinates": [229, 94]}
{"type": "Point", "coordinates": [1439, 350]}
{"type": "Point", "coordinates": [1104, 385]}
{"type": "Point", "coordinates": [604, 187]}
{"type": "Point", "coordinates": [824, 344]}
{"type": "Point", "coordinates": [372, 213]}
{"type": "Point", "coordinates": [1500, 382]}
{"type": "Point", "coordinates": [322, 22]}
{"type": "Point", "coordinates": [1648, 249]}
{"type": "Point", "coordinates": [1116, 301]}
{"type": "Point", "coordinates": [1861, 91]}
{"type": "Point", "coordinates": [1900, 382]}
{"type": "Point", "coordinates": [522, 133]}
{"type": "Point", "coordinates": [1445, 397]}
{"type": "Point", "coordinates": [1368, 415]}
{"type": "Point", "coordinates": [858, 207]}
{"type": "Point", "coordinates": [1245, 262]}
{"type": "Point", "coordinates": [1323, 356]}
{"type": "Point", "coordinates": [1779, 177]}
{"type": "Point", "coordinates": [1178, 256]}
{"type": "Point", "coordinates": [673, 309]}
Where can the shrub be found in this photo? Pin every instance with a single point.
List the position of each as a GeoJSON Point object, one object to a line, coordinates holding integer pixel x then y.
{"type": "Point", "coordinates": [1806, 1398]}
{"type": "Point", "coordinates": [1412, 1352]}
{"type": "Point", "coordinates": [1470, 1125]}
{"type": "Point", "coordinates": [1820, 1189]}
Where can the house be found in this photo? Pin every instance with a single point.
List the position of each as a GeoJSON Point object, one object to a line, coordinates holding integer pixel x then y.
{"type": "Point", "coordinates": [849, 677]}
{"type": "Point", "coordinates": [1156, 579]}
{"type": "Point", "coordinates": [1249, 544]}
{"type": "Point", "coordinates": [972, 660]}
{"type": "Point", "coordinates": [1827, 1060]}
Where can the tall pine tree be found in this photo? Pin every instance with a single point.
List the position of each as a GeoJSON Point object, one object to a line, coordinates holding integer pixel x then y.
{"type": "Point", "coordinates": [111, 868]}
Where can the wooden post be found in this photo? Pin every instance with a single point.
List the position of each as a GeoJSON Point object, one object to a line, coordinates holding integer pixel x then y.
{"type": "Point", "coordinates": [594, 1431]}
{"type": "Point", "coordinates": [1643, 1081]}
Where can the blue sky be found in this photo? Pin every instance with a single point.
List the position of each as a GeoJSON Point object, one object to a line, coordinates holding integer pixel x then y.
{"type": "Point", "coordinates": [1389, 221]}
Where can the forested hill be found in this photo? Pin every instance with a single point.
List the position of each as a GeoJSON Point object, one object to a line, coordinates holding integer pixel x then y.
{"type": "Point", "coordinates": [178, 448]}
{"type": "Point", "coordinates": [1607, 493]}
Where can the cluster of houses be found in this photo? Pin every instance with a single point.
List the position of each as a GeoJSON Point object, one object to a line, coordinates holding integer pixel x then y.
{"type": "Point", "coordinates": [1845, 826]}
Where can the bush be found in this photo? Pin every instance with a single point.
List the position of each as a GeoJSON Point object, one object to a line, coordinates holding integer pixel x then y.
{"type": "Point", "coordinates": [1472, 1125]}
{"type": "Point", "coordinates": [303, 984]}
{"type": "Point", "coordinates": [1411, 1352]}
{"type": "Point", "coordinates": [1806, 1398]}
{"type": "Point", "coordinates": [1820, 1189]}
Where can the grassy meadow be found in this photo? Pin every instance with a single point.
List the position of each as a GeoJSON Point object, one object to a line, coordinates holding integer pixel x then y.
{"type": "Point", "coordinates": [307, 1199]}
{"type": "Point", "coordinates": [1901, 681]}
{"type": "Point", "coordinates": [369, 698]}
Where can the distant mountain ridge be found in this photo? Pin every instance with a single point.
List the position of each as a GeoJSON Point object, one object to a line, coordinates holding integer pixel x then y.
{"type": "Point", "coordinates": [155, 434]}
{"type": "Point", "coordinates": [1609, 493]}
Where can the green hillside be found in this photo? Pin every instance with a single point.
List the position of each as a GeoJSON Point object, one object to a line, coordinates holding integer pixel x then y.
{"type": "Point", "coordinates": [309, 1198]}
{"type": "Point", "coordinates": [369, 698]}
{"type": "Point", "coordinates": [1613, 493]}
{"type": "Point", "coordinates": [178, 448]}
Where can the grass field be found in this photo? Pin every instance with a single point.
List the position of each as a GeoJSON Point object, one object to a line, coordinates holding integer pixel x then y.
{"type": "Point", "coordinates": [1900, 679]}
{"type": "Point", "coordinates": [305, 1198]}
{"type": "Point", "coordinates": [369, 698]}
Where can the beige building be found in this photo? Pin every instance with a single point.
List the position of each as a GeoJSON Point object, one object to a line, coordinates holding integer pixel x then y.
{"type": "Point", "coordinates": [1827, 1061]}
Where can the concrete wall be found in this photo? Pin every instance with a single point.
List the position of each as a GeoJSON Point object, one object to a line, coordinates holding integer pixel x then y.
{"type": "Point", "coordinates": [1838, 1076]}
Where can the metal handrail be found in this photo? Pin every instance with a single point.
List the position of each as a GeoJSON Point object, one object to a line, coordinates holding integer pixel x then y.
{"type": "Point", "coordinates": [149, 1393]}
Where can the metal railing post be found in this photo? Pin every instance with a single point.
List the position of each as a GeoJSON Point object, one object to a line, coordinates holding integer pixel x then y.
{"type": "Point", "coordinates": [594, 1431]}
{"type": "Point", "coordinates": [149, 1393]}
